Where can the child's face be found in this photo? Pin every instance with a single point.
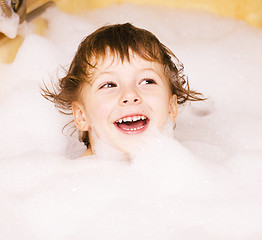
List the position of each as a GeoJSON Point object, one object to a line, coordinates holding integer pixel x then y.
{"type": "Point", "coordinates": [124, 101]}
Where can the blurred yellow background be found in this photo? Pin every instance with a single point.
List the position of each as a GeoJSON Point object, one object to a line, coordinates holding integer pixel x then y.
{"type": "Point", "coordinates": [247, 10]}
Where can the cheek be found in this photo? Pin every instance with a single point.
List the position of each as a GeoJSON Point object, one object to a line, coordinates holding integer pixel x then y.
{"type": "Point", "coordinates": [160, 107]}
{"type": "Point", "coordinates": [159, 102]}
{"type": "Point", "coordinates": [100, 110]}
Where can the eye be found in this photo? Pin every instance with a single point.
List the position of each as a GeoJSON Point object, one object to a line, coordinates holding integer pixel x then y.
{"type": "Point", "coordinates": [108, 85]}
{"type": "Point", "coordinates": [147, 81]}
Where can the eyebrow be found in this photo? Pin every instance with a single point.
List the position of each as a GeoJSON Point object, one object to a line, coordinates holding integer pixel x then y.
{"type": "Point", "coordinates": [151, 70]}
{"type": "Point", "coordinates": [99, 73]}
{"type": "Point", "coordinates": [148, 69]}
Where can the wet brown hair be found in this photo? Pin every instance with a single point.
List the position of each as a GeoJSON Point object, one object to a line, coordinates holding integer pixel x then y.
{"type": "Point", "coordinates": [118, 40]}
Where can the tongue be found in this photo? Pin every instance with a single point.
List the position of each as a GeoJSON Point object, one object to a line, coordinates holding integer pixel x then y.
{"type": "Point", "coordinates": [130, 125]}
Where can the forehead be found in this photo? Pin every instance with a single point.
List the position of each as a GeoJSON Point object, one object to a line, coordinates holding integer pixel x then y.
{"type": "Point", "coordinates": [112, 62]}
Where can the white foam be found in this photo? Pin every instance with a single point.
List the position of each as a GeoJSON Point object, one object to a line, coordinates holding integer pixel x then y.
{"type": "Point", "coordinates": [9, 25]}
{"type": "Point", "coordinates": [206, 184]}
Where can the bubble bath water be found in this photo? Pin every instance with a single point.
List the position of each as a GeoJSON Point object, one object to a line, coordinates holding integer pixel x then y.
{"type": "Point", "coordinates": [205, 183]}
{"type": "Point", "coordinates": [9, 24]}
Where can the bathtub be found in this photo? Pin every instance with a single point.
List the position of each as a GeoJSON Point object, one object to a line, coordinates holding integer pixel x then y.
{"type": "Point", "coordinates": [203, 183]}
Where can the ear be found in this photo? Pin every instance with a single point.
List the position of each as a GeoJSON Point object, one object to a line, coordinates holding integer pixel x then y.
{"type": "Point", "coordinates": [80, 116]}
{"type": "Point", "coordinates": [173, 107]}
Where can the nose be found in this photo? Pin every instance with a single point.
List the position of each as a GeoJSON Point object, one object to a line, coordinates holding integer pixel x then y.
{"type": "Point", "coordinates": [130, 97]}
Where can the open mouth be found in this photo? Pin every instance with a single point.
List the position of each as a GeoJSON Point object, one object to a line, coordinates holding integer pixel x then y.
{"type": "Point", "coordinates": [132, 124]}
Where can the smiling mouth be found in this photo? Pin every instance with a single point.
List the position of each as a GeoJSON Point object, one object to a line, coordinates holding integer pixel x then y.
{"type": "Point", "coordinates": [132, 124]}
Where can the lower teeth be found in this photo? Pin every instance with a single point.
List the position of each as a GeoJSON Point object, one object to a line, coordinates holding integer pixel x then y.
{"type": "Point", "coordinates": [133, 129]}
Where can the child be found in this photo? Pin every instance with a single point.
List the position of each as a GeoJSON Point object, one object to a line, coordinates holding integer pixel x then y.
{"type": "Point", "coordinates": [122, 83]}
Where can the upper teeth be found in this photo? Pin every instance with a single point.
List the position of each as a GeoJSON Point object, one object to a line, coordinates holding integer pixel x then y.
{"type": "Point", "coordinates": [131, 119]}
